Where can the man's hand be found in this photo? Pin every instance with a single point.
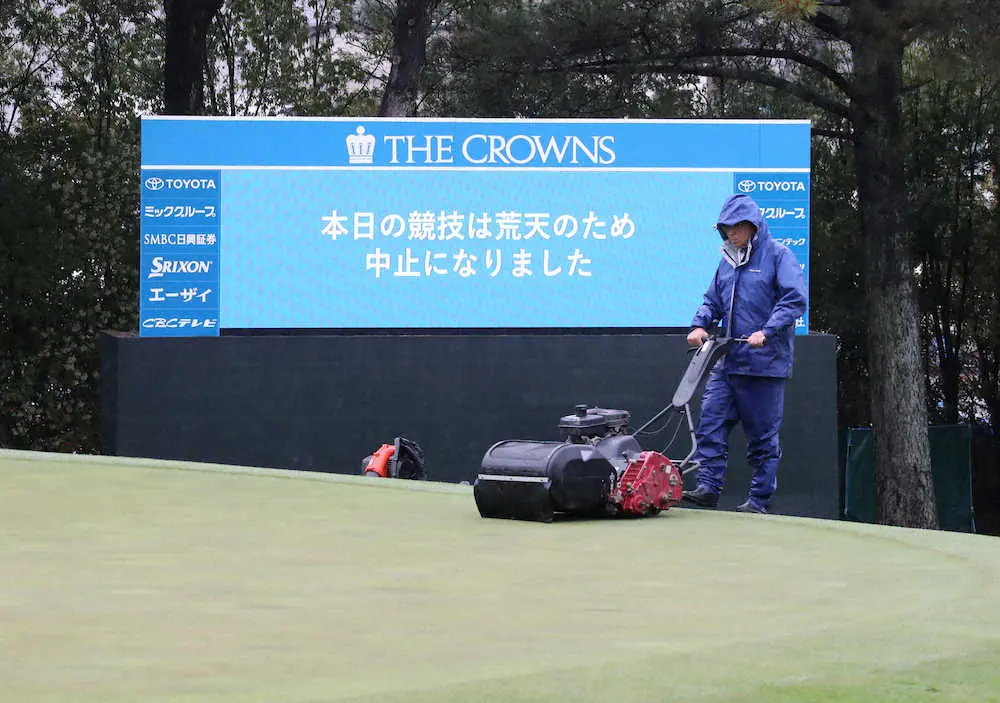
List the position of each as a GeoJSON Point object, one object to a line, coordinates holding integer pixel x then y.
{"type": "Point", "coordinates": [697, 337]}
{"type": "Point", "coordinates": [757, 339]}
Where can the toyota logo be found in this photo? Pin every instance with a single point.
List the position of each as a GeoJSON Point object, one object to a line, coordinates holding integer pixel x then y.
{"type": "Point", "coordinates": [746, 186]}
{"type": "Point", "coordinates": [154, 183]}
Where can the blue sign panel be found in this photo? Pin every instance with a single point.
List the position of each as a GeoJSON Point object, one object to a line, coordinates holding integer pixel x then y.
{"type": "Point", "coordinates": [289, 223]}
{"type": "Point", "coordinates": [179, 277]}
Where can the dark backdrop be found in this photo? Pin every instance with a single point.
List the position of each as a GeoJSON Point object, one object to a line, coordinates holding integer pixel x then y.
{"type": "Point", "coordinates": [321, 402]}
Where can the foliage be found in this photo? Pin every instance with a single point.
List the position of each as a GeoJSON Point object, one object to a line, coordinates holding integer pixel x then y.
{"type": "Point", "coordinates": [68, 241]}
{"type": "Point", "coordinates": [74, 78]}
{"type": "Point", "coordinates": [509, 59]}
{"type": "Point", "coordinates": [952, 123]}
{"type": "Point", "coordinates": [289, 57]}
{"type": "Point", "coordinates": [72, 84]}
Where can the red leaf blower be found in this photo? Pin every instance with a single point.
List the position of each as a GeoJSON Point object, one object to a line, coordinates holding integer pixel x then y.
{"type": "Point", "coordinates": [404, 458]}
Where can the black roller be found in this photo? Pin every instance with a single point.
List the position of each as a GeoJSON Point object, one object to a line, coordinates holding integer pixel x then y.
{"type": "Point", "coordinates": [530, 480]}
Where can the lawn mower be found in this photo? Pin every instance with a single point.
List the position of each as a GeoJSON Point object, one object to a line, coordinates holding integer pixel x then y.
{"type": "Point", "coordinates": [598, 468]}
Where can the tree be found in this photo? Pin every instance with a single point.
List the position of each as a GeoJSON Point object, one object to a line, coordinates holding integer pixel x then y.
{"type": "Point", "coordinates": [950, 123]}
{"type": "Point", "coordinates": [845, 61]}
{"type": "Point", "coordinates": [410, 21]}
{"type": "Point", "coordinates": [68, 210]}
{"type": "Point", "coordinates": [187, 24]}
{"type": "Point", "coordinates": [878, 37]}
{"type": "Point", "coordinates": [503, 59]}
{"type": "Point", "coordinates": [288, 57]}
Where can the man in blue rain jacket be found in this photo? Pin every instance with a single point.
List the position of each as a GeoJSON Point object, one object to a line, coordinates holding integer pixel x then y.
{"type": "Point", "coordinates": [758, 292]}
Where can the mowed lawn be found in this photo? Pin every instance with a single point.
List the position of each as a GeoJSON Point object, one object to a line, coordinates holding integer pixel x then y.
{"type": "Point", "coordinates": [146, 581]}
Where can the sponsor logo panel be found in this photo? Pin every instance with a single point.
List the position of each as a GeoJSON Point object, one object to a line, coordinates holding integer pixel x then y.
{"type": "Point", "coordinates": [184, 296]}
{"type": "Point", "coordinates": [180, 219]}
{"type": "Point", "coordinates": [179, 323]}
{"type": "Point", "coordinates": [168, 183]}
{"type": "Point", "coordinates": [162, 238]}
{"type": "Point", "coordinates": [182, 266]}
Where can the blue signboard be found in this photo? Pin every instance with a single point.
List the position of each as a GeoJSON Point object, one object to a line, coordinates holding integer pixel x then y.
{"type": "Point", "coordinates": [296, 223]}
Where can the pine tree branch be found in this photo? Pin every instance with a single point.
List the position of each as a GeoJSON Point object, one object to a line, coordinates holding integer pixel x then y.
{"type": "Point", "coordinates": [809, 62]}
{"type": "Point", "coordinates": [760, 77]}
{"type": "Point", "coordinates": [828, 25]}
{"type": "Point", "coordinates": [803, 92]}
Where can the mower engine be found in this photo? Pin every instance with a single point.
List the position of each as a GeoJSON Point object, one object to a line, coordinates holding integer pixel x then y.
{"type": "Point", "coordinates": [598, 469]}
{"type": "Point", "coordinates": [651, 483]}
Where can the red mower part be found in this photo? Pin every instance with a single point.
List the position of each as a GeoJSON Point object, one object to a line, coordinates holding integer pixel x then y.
{"type": "Point", "coordinates": [651, 483]}
{"type": "Point", "coordinates": [379, 463]}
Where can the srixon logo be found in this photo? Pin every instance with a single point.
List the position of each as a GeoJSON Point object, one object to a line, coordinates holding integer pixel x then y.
{"type": "Point", "coordinates": [160, 266]}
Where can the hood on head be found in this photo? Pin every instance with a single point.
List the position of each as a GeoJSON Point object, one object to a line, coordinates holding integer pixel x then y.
{"type": "Point", "coordinates": [738, 208]}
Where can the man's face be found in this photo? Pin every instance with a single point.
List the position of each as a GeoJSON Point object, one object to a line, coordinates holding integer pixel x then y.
{"type": "Point", "coordinates": [739, 234]}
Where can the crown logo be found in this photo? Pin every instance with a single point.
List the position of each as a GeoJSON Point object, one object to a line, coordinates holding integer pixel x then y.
{"type": "Point", "coordinates": [360, 147]}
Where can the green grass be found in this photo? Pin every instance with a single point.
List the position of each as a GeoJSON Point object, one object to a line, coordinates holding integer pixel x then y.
{"type": "Point", "coordinates": [151, 581]}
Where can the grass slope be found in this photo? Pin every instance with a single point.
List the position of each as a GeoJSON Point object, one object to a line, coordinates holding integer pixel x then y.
{"type": "Point", "coordinates": [152, 581]}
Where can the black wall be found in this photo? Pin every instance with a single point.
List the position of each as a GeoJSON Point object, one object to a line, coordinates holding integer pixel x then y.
{"type": "Point", "coordinates": [322, 402]}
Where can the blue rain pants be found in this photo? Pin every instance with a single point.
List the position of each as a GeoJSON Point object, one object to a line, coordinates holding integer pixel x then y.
{"type": "Point", "coordinates": [757, 402]}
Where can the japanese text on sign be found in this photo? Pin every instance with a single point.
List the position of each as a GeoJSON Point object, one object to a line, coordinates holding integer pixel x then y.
{"type": "Point", "coordinates": [503, 225]}
{"type": "Point", "coordinates": [413, 264]}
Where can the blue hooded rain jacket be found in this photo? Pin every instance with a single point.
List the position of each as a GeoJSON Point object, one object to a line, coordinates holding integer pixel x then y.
{"type": "Point", "coordinates": [765, 291]}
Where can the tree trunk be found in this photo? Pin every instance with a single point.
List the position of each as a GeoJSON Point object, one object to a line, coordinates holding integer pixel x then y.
{"type": "Point", "coordinates": [187, 23]}
{"type": "Point", "coordinates": [899, 412]}
{"type": "Point", "coordinates": [409, 56]}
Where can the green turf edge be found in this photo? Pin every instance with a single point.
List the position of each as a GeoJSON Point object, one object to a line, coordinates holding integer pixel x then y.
{"type": "Point", "coordinates": [260, 472]}
{"type": "Point", "coordinates": [905, 534]}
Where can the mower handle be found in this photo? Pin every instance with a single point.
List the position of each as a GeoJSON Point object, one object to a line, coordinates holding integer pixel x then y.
{"type": "Point", "coordinates": [720, 340]}
{"type": "Point", "coordinates": [706, 355]}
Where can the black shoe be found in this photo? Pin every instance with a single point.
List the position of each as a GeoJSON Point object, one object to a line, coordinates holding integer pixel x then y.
{"type": "Point", "coordinates": [701, 496]}
{"type": "Point", "coordinates": [748, 507]}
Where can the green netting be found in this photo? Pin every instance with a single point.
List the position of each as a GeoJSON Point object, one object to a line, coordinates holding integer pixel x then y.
{"type": "Point", "coordinates": [951, 466]}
